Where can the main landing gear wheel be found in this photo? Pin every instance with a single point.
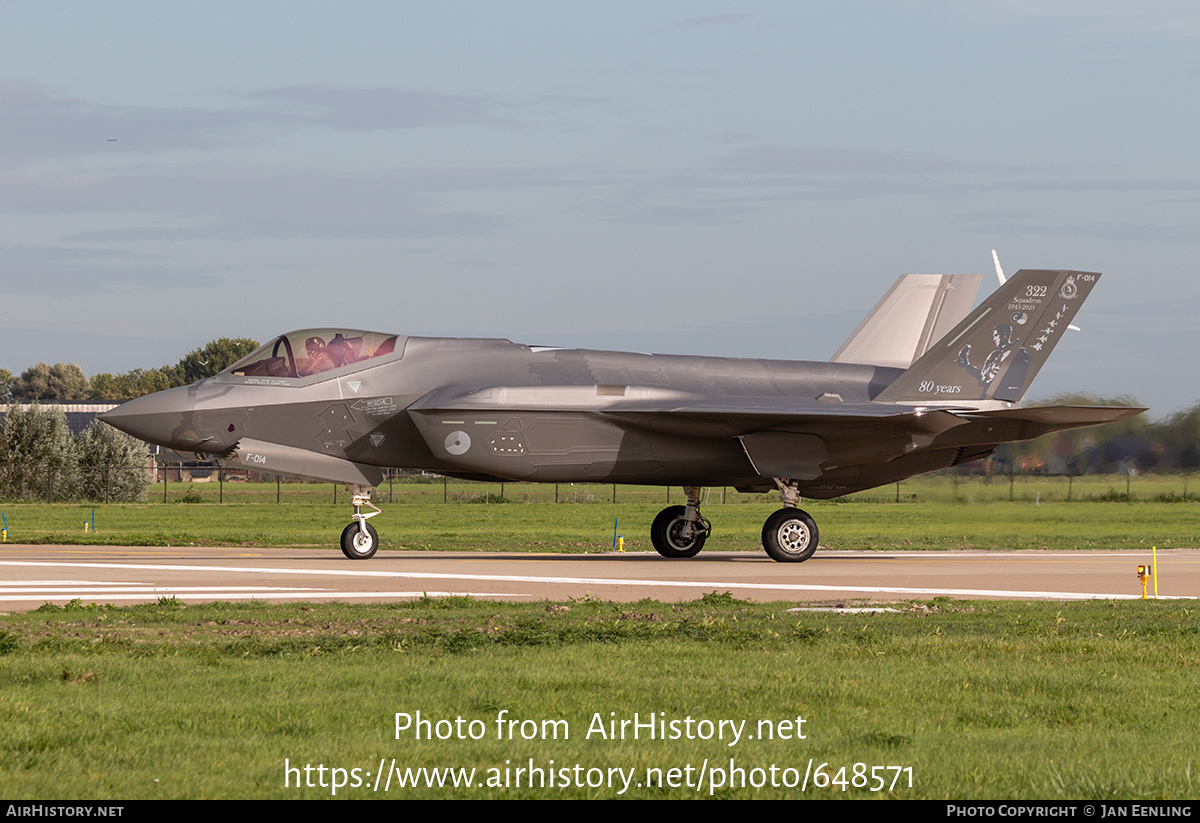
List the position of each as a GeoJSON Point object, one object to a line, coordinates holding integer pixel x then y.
{"type": "Point", "coordinates": [790, 536]}
{"type": "Point", "coordinates": [358, 544]}
{"type": "Point", "coordinates": [666, 533]}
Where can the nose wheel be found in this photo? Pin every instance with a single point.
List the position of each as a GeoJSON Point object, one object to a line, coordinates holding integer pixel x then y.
{"type": "Point", "coordinates": [360, 541]}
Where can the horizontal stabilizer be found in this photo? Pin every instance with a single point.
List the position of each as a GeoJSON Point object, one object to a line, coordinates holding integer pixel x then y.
{"type": "Point", "coordinates": [1046, 419]}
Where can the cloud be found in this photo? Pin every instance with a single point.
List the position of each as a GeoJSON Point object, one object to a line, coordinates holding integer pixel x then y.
{"type": "Point", "coordinates": [1094, 19]}
{"type": "Point", "coordinates": [1033, 222]}
{"type": "Point", "coordinates": [56, 271]}
{"type": "Point", "coordinates": [237, 200]}
{"type": "Point", "coordinates": [831, 160]}
{"type": "Point", "coordinates": [712, 20]}
{"type": "Point", "coordinates": [40, 124]}
{"type": "Point", "coordinates": [356, 109]}
{"type": "Point", "coordinates": [750, 179]}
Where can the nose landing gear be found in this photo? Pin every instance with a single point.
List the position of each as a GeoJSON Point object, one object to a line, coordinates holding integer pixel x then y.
{"type": "Point", "coordinates": [360, 541]}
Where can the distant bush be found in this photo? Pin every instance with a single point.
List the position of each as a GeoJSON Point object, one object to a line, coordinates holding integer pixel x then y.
{"type": "Point", "coordinates": [39, 459]}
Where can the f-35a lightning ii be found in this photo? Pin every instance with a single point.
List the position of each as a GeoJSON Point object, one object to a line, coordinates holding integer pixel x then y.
{"type": "Point", "coordinates": [922, 384]}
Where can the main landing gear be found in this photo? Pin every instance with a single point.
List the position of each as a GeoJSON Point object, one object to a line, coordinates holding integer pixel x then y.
{"type": "Point", "coordinates": [680, 531]}
{"type": "Point", "coordinates": [789, 535]}
{"type": "Point", "coordinates": [360, 541]}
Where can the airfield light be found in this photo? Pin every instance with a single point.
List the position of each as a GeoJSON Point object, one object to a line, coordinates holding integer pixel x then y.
{"type": "Point", "coordinates": [1144, 574]}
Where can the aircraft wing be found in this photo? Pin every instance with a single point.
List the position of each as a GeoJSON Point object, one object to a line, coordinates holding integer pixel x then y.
{"type": "Point", "coordinates": [778, 436]}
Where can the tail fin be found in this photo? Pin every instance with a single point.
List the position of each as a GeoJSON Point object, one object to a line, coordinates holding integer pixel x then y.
{"type": "Point", "coordinates": [916, 311]}
{"type": "Point", "coordinates": [998, 349]}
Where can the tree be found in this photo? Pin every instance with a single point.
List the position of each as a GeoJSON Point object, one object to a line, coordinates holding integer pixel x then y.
{"type": "Point", "coordinates": [121, 387]}
{"type": "Point", "coordinates": [215, 356]}
{"type": "Point", "coordinates": [196, 365]}
{"type": "Point", "coordinates": [1181, 437]}
{"type": "Point", "coordinates": [64, 382]}
{"type": "Point", "coordinates": [113, 467]}
{"type": "Point", "coordinates": [37, 455]}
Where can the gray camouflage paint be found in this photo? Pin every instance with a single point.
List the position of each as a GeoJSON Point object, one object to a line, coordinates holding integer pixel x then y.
{"type": "Point", "coordinates": [490, 408]}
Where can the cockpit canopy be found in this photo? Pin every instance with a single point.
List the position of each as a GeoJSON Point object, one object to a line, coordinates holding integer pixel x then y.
{"type": "Point", "coordinates": [313, 351]}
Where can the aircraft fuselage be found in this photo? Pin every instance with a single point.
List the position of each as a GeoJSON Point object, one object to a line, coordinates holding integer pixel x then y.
{"type": "Point", "coordinates": [497, 409]}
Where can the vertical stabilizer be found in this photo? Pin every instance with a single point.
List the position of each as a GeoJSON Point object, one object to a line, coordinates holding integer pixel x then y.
{"type": "Point", "coordinates": [997, 350]}
{"type": "Point", "coordinates": [917, 310]}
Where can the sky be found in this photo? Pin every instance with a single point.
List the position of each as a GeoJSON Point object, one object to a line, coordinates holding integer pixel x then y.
{"type": "Point", "coordinates": [724, 178]}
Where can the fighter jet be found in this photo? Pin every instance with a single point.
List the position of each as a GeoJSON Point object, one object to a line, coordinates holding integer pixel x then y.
{"type": "Point", "coordinates": [924, 383]}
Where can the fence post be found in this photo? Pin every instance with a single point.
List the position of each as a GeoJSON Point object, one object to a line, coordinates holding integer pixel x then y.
{"type": "Point", "coordinates": [164, 468]}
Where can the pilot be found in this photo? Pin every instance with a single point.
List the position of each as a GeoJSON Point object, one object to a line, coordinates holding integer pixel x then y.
{"type": "Point", "coordinates": [341, 351]}
{"type": "Point", "coordinates": [319, 358]}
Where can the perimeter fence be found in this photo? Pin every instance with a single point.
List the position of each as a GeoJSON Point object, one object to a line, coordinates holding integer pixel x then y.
{"type": "Point", "coordinates": [188, 483]}
{"type": "Point", "coordinates": [69, 482]}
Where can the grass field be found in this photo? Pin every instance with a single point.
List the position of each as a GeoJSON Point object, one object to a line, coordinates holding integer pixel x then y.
{"type": "Point", "coordinates": [934, 513]}
{"type": "Point", "coordinates": [962, 700]}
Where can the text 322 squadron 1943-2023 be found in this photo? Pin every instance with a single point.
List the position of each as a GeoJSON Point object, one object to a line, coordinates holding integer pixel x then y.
{"type": "Point", "coordinates": [923, 383]}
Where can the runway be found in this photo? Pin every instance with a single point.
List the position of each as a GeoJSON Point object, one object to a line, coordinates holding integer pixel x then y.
{"type": "Point", "coordinates": [33, 575]}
